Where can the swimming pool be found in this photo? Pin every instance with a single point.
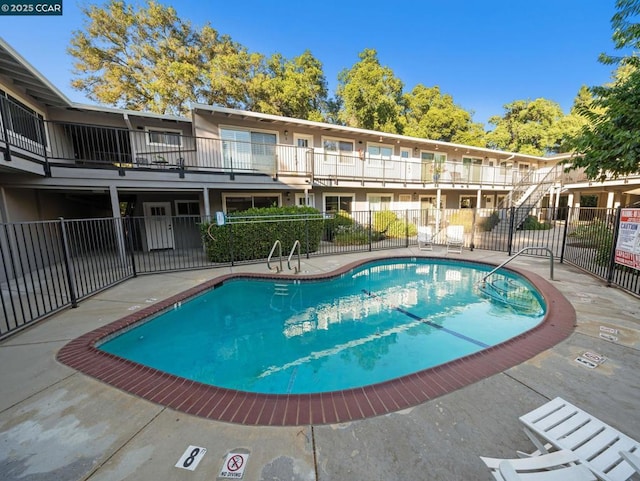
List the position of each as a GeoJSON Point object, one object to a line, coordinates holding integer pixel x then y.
{"type": "Point", "coordinates": [241, 406]}
{"type": "Point", "coordinates": [380, 321]}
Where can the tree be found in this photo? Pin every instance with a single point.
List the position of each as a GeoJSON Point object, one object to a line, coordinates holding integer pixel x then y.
{"type": "Point", "coordinates": [371, 95]}
{"type": "Point", "coordinates": [528, 126]}
{"type": "Point", "coordinates": [432, 115]}
{"type": "Point", "coordinates": [293, 88]}
{"type": "Point", "coordinates": [609, 144]}
{"type": "Point", "coordinates": [145, 59]}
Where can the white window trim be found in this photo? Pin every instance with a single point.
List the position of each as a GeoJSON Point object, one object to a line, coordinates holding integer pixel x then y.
{"type": "Point", "coordinates": [247, 129]}
{"type": "Point", "coordinates": [312, 199]}
{"type": "Point", "coordinates": [336, 194]}
{"type": "Point", "coordinates": [378, 161]}
{"type": "Point", "coordinates": [177, 202]}
{"type": "Point", "coordinates": [339, 155]}
{"type": "Point", "coordinates": [443, 199]}
{"type": "Point", "coordinates": [473, 199]}
{"type": "Point", "coordinates": [225, 195]}
{"type": "Point", "coordinates": [162, 130]}
{"type": "Point", "coordinates": [376, 194]}
{"type": "Point", "coordinates": [308, 137]}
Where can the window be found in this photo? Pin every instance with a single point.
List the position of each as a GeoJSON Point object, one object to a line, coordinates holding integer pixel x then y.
{"type": "Point", "coordinates": [378, 153]}
{"type": "Point", "coordinates": [432, 166]}
{"type": "Point", "coordinates": [301, 200]}
{"type": "Point", "coordinates": [242, 202]}
{"type": "Point", "coordinates": [172, 138]}
{"type": "Point", "coordinates": [334, 203]}
{"type": "Point", "coordinates": [468, 201]}
{"type": "Point", "coordinates": [250, 150]}
{"type": "Point", "coordinates": [404, 197]}
{"type": "Point", "coordinates": [340, 151]}
{"type": "Point", "coordinates": [187, 207]}
{"type": "Point", "coordinates": [379, 201]}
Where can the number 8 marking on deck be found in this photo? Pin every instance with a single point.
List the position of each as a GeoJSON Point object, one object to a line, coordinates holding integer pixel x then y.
{"type": "Point", "coordinates": [191, 457]}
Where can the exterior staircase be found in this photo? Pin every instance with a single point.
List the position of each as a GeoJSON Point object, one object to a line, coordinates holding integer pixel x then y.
{"type": "Point", "coordinates": [525, 196]}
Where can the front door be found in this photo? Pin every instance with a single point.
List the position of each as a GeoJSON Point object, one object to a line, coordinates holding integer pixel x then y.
{"type": "Point", "coordinates": [158, 225]}
{"type": "Point", "coordinates": [304, 153]}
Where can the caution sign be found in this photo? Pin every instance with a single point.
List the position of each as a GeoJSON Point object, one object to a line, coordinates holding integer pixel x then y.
{"type": "Point", "coordinates": [234, 465]}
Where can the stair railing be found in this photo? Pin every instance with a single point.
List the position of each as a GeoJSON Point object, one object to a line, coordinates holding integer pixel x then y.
{"type": "Point", "coordinates": [484, 279]}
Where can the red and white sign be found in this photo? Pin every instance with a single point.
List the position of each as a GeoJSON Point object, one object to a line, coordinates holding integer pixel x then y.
{"type": "Point", "coordinates": [628, 244]}
{"type": "Point", "coordinates": [234, 465]}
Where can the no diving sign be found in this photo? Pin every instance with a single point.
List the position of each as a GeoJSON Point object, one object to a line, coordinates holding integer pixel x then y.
{"type": "Point", "coordinates": [234, 465]}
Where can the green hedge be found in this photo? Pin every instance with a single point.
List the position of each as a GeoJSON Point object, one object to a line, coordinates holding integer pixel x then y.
{"type": "Point", "coordinates": [253, 238]}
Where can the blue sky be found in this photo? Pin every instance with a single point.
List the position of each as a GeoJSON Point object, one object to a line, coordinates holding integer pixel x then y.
{"type": "Point", "coordinates": [484, 53]}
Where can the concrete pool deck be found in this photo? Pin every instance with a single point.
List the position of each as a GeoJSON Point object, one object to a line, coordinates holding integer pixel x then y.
{"type": "Point", "coordinates": [57, 423]}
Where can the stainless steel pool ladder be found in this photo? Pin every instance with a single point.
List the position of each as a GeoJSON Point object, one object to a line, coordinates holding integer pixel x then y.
{"type": "Point", "coordinates": [484, 279]}
{"type": "Point", "coordinates": [278, 268]}
{"type": "Point", "coordinates": [295, 269]}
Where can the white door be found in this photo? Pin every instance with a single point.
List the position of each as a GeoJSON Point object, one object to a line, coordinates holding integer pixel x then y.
{"type": "Point", "coordinates": [304, 152]}
{"type": "Point", "coordinates": [158, 225]}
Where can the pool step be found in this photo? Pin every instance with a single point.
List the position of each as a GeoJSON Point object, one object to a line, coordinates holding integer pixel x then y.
{"type": "Point", "coordinates": [281, 290]}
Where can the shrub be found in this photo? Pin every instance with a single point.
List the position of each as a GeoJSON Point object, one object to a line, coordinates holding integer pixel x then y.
{"type": "Point", "coordinates": [351, 235]}
{"type": "Point", "coordinates": [388, 223]}
{"type": "Point", "coordinates": [331, 224]}
{"type": "Point", "coordinates": [253, 238]}
{"type": "Point", "coordinates": [532, 223]}
{"type": "Point", "coordinates": [490, 222]}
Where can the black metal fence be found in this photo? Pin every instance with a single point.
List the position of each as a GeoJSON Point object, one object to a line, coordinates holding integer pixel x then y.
{"type": "Point", "coordinates": [50, 265]}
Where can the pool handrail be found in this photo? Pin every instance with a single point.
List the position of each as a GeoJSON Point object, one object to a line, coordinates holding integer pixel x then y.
{"type": "Point", "coordinates": [277, 244]}
{"type": "Point", "coordinates": [484, 279]}
{"type": "Point", "coordinates": [295, 269]}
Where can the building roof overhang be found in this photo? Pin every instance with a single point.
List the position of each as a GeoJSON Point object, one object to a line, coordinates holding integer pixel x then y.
{"type": "Point", "coordinates": [27, 78]}
{"type": "Point", "coordinates": [381, 137]}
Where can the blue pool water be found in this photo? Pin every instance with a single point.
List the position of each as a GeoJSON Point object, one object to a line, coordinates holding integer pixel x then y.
{"type": "Point", "coordinates": [380, 321]}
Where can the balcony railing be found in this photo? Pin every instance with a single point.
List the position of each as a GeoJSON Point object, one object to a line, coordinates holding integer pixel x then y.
{"type": "Point", "coordinates": [22, 129]}
{"type": "Point", "coordinates": [98, 146]}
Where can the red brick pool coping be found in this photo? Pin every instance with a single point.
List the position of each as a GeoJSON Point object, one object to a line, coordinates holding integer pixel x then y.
{"type": "Point", "coordinates": [324, 408]}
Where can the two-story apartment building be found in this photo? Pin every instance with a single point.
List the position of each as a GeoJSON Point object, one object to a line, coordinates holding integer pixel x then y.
{"type": "Point", "coordinates": [59, 158]}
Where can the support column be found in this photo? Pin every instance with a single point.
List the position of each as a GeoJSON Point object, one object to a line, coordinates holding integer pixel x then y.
{"type": "Point", "coordinates": [205, 201]}
{"type": "Point", "coordinates": [438, 197]}
{"type": "Point", "coordinates": [117, 220]}
{"type": "Point", "coordinates": [610, 198]}
{"type": "Point", "coordinates": [479, 199]}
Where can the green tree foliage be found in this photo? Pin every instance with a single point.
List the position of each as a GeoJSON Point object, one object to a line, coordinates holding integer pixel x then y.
{"type": "Point", "coordinates": [609, 143]}
{"type": "Point", "coordinates": [293, 88]}
{"type": "Point", "coordinates": [144, 59]}
{"type": "Point", "coordinates": [528, 126]}
{"type": "Point", "coordinates": [371, 95]}
{"type": "Point", "coordinates": [147, 58]}
{"type": "Point", "coordinates": [432, 115]}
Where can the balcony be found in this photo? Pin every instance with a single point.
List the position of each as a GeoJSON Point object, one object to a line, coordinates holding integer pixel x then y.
{"type": "Point", "coordinates": [22, 136]}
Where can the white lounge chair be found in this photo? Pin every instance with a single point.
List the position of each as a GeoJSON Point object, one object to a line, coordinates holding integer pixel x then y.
{"type": "Point", "coordinates": [597, 445]}
{"type": "Point", "coordinates": [556, 466]}
{"type": "Point", "coordinates": [455, 238]}
{"type": "Point", "coordinates": [425, 238]}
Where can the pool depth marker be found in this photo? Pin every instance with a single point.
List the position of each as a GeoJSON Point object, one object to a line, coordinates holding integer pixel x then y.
{"type": "Point", "coordinates": [428, 322]}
